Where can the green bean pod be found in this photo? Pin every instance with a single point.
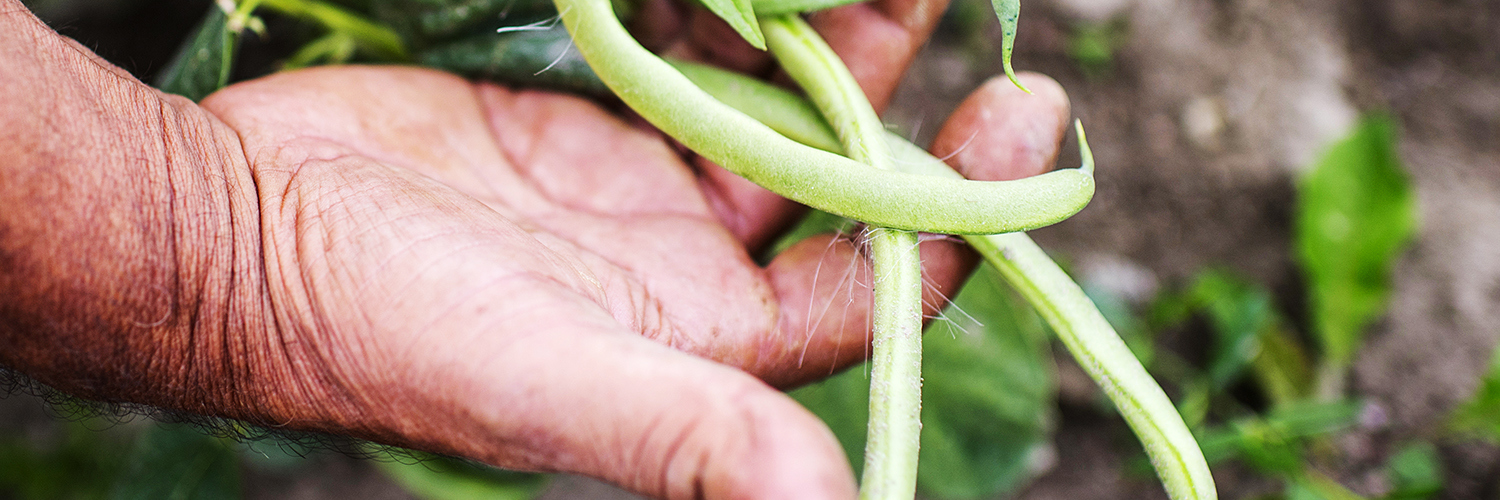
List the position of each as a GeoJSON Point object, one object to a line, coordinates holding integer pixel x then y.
{"type": "Point", "coordinates": [817, 178]}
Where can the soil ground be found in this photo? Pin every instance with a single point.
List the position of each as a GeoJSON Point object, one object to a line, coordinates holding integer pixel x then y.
{"type": "Point", "coordinates": [1202, 116]}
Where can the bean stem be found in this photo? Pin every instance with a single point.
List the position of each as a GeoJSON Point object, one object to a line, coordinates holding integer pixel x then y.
{"type": "Point", "coordinates": [895, 427]}
{"type": "Point", "coordinates": [376, 37]}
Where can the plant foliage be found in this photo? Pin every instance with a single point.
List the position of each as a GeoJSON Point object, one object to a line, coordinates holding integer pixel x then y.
{"type": "Point", "coordinates": [1356, 213]}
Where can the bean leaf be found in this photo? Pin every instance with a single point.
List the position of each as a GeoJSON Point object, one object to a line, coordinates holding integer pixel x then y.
{"type": "Point", "coordinates": [1240, 311]}
{"type": "Point", "coordinates": [1009, 12]}
{"type": "Point", "coordinates": [1415, 472]}
{"type": "Point", "coordinates": [201, 66]}
{"type": "Point", "coordinates": [1272, 443]}
{"type": "Point", "coordinates": [1480, 416]}
{"type": "Point", "coordinates": [533, 58]}
{"type": "Point", "coordinates": [988, 391]}
{"type": "Point", "coordinates": [81, 464]}
{"type": "Point", "coordinates": [1357, 212]}
{"type": "Point", "coordinates": [425, 20]}
{"type": "Point", "coordinates": [741, 16]}
{"type": "Point", "coordinates": [178, 463]}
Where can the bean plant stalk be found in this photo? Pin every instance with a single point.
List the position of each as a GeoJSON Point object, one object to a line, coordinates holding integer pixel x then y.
{"type": "Point", "coordinates": [895, 428]}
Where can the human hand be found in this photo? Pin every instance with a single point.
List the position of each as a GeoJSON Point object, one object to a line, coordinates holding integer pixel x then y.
{"type": "Point", "coordinates": [515, 277]}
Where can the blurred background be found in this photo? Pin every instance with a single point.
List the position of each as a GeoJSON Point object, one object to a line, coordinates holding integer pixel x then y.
{"type": "Point", "coordinates": [1297, 228]}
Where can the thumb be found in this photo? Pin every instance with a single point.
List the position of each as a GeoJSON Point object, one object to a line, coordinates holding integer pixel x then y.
{"type": "Point", "coordinates": [595, 399]}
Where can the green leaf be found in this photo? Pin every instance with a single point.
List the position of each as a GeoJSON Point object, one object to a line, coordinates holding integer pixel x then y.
{"type": "Point", "coordinates": [1247, 333]}
{"type": "Point", "coordinates": [80, 466]}
{"type": "Point", "coordinates": [1273, 443]}
{"type": "Point", "coordinates": [1239, 311]}
{"type": "Point", "coordinates": [202, 65]}
{"type": "Point", "coordinates": [444, 478]}
{"type": "Point", "coordinates": [1309, 419]}
{"type": "Point", "coordinates": [988, 391]}
{"type": "Point", "coordinates": [1267, 449]}
{"type": "Point", "coordinates": [532, 58]}
{"type": "Point", "coordinates": [1009, 12]}
{"type": "Point", "coordinates": [1415, 472]}
{"type": "Point", "coordinates": [426, 20]}
{"type": "Point", "coordinates": [1313, 485]}
{"type": "Point", "coordinates": [741, 16]}
{"type": "Point", "coordinates": [1282, 367]}
{"type": "Point", "coordinates": [176, 462]}
{"type": "Point", "coordinates": [1356, 213]}
{"type": "Point", "coordinates": [1092, 46]}
{"type": "Point", "coordinates": [1480, 415]}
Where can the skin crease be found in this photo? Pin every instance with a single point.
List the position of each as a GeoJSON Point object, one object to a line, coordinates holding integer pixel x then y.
{"type": "Point", "coordinates": [398, 254]}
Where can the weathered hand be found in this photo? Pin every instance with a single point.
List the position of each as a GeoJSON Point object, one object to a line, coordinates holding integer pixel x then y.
{"type": "Point", "coordinates": [516, 277]}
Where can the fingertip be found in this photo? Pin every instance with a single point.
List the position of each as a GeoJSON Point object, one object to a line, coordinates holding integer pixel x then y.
{"type": "Point", "coordinates": [731, 436]}
{"type": "Point", "coordinates": [789, 453]}
{"type": "Point", "coordinates": [655, 421]}
{"type": "Point", "coordinates": [1000, 132]}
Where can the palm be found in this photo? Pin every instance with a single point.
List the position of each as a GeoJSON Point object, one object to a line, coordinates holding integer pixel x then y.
{"type": "Point", "coordinates": [376, 173]}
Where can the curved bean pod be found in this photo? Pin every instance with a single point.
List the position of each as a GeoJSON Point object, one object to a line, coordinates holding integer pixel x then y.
{"type": "Point", "coordinates": [823, 180]}
{"type": "Point", "coordinates": [1084, 331]}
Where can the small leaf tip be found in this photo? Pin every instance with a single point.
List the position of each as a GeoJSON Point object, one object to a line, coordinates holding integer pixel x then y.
{"type": "Point", "coordinates": [1011, 74]}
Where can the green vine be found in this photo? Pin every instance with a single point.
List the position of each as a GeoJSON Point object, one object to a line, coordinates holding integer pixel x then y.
{"type": "Point", "coordinates": [895, 427]}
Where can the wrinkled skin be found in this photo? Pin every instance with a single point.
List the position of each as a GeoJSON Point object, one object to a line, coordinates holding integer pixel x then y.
{"type": "Point", "coordinates": [518, 277]}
